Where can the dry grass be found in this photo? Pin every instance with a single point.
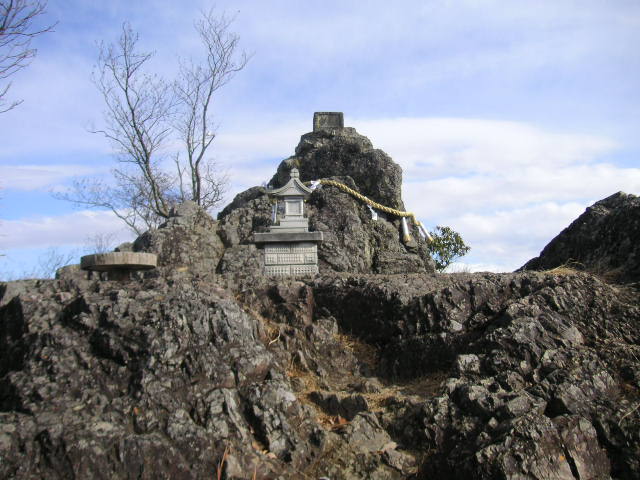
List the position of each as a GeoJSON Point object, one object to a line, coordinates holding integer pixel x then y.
{"type": "Point", "coordinates": [564, 269]}
{"type": "Point", "coordinates": [309, 380]}
{"type": "Point", "coordinates": [363, 351]}
{"type": "Point", "coordinates": [423, 387]}
{"type": "Point", "coordinates": [331, 422]}
{"type": "Point", "coordinates": [603, 272]}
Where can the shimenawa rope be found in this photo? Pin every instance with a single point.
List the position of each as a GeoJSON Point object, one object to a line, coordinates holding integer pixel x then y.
{"type": "Point", "coordinates": [378, 206]}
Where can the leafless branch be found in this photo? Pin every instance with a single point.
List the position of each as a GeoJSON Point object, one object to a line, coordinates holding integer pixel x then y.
{"type": "Point", "coordinates": [17, 30]}
{"type": "Point", "coordinates": [143, 112]}
{"type": "Point", "coordinates": [195, 90]}
{"type": "Point", "coordinates": [53, 259]}
{"type": "Point", "coordinates": [100, 242]}
{"type": "Point", "coordinates": [138, 110]}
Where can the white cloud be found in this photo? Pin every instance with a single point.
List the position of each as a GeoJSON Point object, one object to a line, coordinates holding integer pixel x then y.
{"type": "Point", "coordinates": [507, 187]}
{"type": "Point", "coordinates": [36, 177]}
{"type": "Point", "coordinates": [432, 147]}
{"type": "Point", "coordinates": [509, 238]}
{"type": "Point", "coordinates": [259, 142]}
{"type": "Point", "coordinates": [252, 156]}
{"type": "Point", "coordinates": [64, 230]}
{"type": "Point", "coordinates": [465, 267]}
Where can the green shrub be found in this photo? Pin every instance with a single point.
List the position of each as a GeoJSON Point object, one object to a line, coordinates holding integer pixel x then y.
{"type": "Point", "coordinates": [446, 246]}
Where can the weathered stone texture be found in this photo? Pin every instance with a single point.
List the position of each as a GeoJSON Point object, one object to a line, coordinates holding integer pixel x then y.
{"type": "Point", "coordinates": [353, 241]}
{"type": "Point", "coordinates": [345, 152]}
{"type": "Point", "coordinates": [603, 240]}
{"type": "Point", "coordinates": [529, 375]}
{"type": "Point", "coordinates": [188, 241]}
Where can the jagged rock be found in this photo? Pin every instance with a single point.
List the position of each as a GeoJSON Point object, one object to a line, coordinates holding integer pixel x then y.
{"type": "Point", "coordinates": [353, 241]}
{"type": "Point", "coordinates": [347, 406]}
{"type": "Point", "coordinates": [344, 152]}
{"type": "Point", "coordinates": [152, 380]}
{"type": "Point", "coordinates": [346, 375]}
{"type": "Point", "coordinates": [496, 375]}
{"type": "Point", "coordinates": [188, 241]}
{"type": "Point", "coordinates": [513, 348]}
{"type": "Point", "coordinates": [366, 434]}
{"type": "Point", "coordinates": [603, 240]}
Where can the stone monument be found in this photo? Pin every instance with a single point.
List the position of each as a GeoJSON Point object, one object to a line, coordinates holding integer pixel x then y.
{"type": "Point", "coordinates": [327, 121]}
{"type": "Point", "coordinates": [289, 247]}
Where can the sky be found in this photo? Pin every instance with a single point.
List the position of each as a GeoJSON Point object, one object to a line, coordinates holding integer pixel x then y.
{"type": "Point", "coordinates": [508, 118]}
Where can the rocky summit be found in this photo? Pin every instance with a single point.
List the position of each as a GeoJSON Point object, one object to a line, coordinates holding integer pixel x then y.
{"type": "Point", "coordinates": [377, 368]}
{"type": "Point", "coordinates": [603, 240]}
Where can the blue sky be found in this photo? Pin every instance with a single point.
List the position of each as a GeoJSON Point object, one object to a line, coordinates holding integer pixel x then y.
{"type": "Point", "coordinates": [508, 117]}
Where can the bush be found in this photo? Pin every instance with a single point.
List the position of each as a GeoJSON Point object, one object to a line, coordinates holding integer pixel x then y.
{"type": "Point", "coordinates": [446, 246]}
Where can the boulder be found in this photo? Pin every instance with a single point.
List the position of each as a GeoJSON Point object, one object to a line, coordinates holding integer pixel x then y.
{"type": "Point", "coordinates": [187, 242]}
{"type": "Point", "coordinates": [344, 152]}
{"type": "Point", "coordinates": [353, 241]}
{"type": "Point", "coordinates": [603, 240]}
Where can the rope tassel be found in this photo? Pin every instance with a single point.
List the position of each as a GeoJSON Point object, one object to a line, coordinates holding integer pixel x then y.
{"type": "Point", "coordinates": [423, 232]}
{"type": "Point", "coordinates": [406, 236]}
{"type": "Point", "coordinates": [374, 214]}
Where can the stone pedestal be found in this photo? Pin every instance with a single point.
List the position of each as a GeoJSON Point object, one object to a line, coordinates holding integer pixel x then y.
{"type": "Point", "coordinates": [290, 259]}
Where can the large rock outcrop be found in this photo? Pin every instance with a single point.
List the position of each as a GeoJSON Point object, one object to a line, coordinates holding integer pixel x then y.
{"type": "Point", "coordinates": [354, 242]}
{"type": "Point", "coordinates": [603, 240]}
{"type": "Point", "coordinates": [344, 152]}
{"type": "Point", "coordinates": [205, 367]}
{"type": "Point", "coordinates": [529, 375]}
{"type": "Point", "coordinates": [188, 241]}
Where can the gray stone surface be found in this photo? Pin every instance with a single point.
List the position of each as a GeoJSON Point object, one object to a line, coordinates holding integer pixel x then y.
{"type": "Point", "coordinates": [289, 248]}
{"type": "Point", "coordinates": [107, 262]}
{"type": "Point", "coordinates": [189, 241]}
{"type": "Point", "coordinates": [344, 152]}
{"type": "Point", "coordinates": [287, 237]}
{"type": "Point", "coordinates": [327, 121]}
{"type": "Point", "coordinates": [603, 240]}
{"type": "Point", "coordinates": [295, 259]}
{"type": "Point", "coordinates": [530, 375]}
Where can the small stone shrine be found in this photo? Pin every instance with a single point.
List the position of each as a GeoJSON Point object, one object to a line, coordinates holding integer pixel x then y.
{"type": "Point", "coordinates": [289, 247]}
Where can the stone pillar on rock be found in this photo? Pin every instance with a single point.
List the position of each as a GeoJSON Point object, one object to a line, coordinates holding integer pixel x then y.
{"type": "Point", "coordinates": [290, 249]}
{"type": "Point", "coordinates": [328, 121]}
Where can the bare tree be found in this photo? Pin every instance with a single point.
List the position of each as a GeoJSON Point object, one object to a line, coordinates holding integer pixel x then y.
{"type": "Point", "coordinates": [100, 242]}
{"type": "Point", "coordinates": [16, 33]}
{"type": "Point", "coordinates": [144, 113]}
{"type": "Point", "coordinates": [194, 91]}
{"type": "Point", "coordinates": [139, 107]}
{"type": "Point", "coordinates": [53, 259]}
